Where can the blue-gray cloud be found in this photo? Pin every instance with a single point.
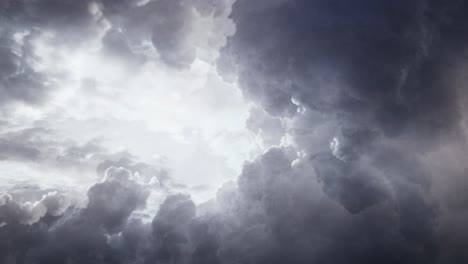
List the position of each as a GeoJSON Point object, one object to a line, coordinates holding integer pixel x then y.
{"type": "Point", "coordinates": [364, 91]}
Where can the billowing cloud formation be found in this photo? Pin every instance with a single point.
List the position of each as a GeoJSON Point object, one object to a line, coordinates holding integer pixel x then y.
{"type": "Point", "coordinates": [29, 213]}
{"type": "Point", "coordinates": [61, 233]}
{"type": "Point", "coordinates": [175, 30]}
{"type": "Point", "coordinates": [364, 100]}
{"type": "Point", "coordinates": [278, 213]}
{"type": "Point", "coordinates": [368, 89]}
{"type": "Point", "coordinates": [378, 65]}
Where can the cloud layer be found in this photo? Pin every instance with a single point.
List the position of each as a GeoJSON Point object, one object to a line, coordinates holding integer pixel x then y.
{"type": "Point", "coordinates": [360, 105]}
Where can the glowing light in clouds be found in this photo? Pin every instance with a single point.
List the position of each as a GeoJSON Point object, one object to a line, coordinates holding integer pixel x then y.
{"type": "Point", "coordinates": [189, 119]}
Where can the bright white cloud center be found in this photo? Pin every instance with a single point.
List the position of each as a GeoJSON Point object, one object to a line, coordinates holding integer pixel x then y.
{"type": "Point", "coordinates": [188, 121]}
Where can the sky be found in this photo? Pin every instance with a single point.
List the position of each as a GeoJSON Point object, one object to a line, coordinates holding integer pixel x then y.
{"type": "Point", "coordinates": [233, 131]}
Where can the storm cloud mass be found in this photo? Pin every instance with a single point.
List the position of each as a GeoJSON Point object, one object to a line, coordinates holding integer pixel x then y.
{"type": "Point", "coordinates": [358, 113]}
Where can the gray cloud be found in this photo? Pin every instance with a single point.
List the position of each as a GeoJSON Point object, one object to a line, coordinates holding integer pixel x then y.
{"type": "Point", "coordinates": [171, 27]}
{"type": "Point", "coordinates": [51, 203]}
{"type": "Point", "coordinates": [41, 145]}
{"type": "Point", "coordinates": [25, 144]}
{"type": "Point", "coordinates": [377, 81]}
{"type": "Point", "coordinates": [76, 234]}
{"type": "Point", "coordinates": [23, 22]}
{"type": "Point", "coordinates": [112, 201]}
{"type": "Point", "coordinates": [146, 171]}
{"type": "Point", "coordinates": [286, 217]}
{"type": "Point", "coordinates": [71, 22]}
{"type": "Point", "coordinates": [267, 127]}
{"type": "Point", "coordinates": [278, 212]}
{"type": "Point", "coordinates": [366, 95]}
{"type": "Point", "coordinates": [124, 27]}
{"type": "Point", "coordinates": [19, 80]}
{"type": "Point", "coordinates": [380, 65]}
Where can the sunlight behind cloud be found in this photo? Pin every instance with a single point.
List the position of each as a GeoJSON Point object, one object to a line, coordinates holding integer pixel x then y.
{"type": "Point", "coordinates": [190, 118]}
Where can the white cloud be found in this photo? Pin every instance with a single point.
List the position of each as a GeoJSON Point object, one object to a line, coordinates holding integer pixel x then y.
{"type": "Point", "coordinates": [189, 117]}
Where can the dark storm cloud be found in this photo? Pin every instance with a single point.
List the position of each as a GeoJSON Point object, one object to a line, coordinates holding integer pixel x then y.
{"type": "Point", "coordinates": [352, 185]}
{"type": "Point", "coordinates": [169, 241]}
{"type": "Point", "coordinates": [277, 213]}
{"type": "Point", "coordinates": [101, 232]}
{"type": "Point", "coordinates": [283, 216]}
{"type": "Point", "coordinates": [112, 201]}
{"type": "Point", "coordinates": [76, 235]}
{"type": "Point", "coordinates": [367, 89]}
{"type": "Point", "coordinates": [378, 64]}
{"type": "Point", "coordinates": [11, 211]}
{"type": "Point", "coordinates": [377, 81]}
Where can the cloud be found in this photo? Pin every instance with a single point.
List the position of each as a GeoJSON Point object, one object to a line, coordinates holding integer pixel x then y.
{"type": "Point", "coordinates": [278, 211]}
{"type": "Point", "coordinates": [147, 172]}
{"type": "Point", "coordinates": [363, 101]}
{"type": "Point", "coordinates": [373, 67]}
{"type": "Point", "coordinates": [286, 215]}
{"type": "Point", "coordinates": [52, 203]}
{"type": "Point", "coordinates": [174, 28]}
{"type": "Point", "coordinates": [24, 23]}
{"type": "Point", "coordinates": [113, 200]}
{"type": "Point", "coordinates": [70, 232]}
{"type": "Point", "coordinates": [122, 28]}
{"type": "Point", "coordinates": [40, 144]}
{"type": "Point", "coordinates": [364, 90]}
{"type": "Point", "coordinates": [19, 79]}
{"type": "Point", "coordinates": [269, 128]}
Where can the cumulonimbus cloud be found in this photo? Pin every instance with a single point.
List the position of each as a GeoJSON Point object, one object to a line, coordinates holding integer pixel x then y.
{"type": "Point", "coordinates": [364, 100]}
